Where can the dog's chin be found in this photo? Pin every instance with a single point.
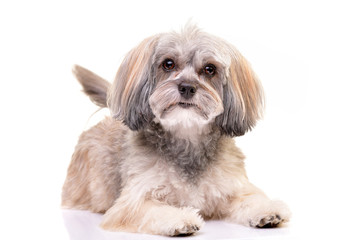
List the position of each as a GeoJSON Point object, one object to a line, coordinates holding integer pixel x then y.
{"type": "Point", "coordinates": [185, 120]}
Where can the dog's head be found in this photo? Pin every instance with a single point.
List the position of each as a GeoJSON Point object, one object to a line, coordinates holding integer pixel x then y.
{"type": "Point", "coordinates": [186, 80]}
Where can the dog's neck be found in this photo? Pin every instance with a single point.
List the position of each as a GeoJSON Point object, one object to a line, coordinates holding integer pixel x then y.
{"type": "Point", "coordinates": [190, 158]}
{"type": "Point", "coordinates": [188, 127]}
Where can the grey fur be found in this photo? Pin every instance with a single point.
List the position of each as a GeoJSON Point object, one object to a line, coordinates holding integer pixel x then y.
{"type": "Point", "coordinates": [190, 160]}
{"type": "Point", "coordinates": [230, 122]}
{"type": "Point", "coordinates": [240, 117]}
{"type": "Point", "coordinates": [167, 157]}
{"type": "Point", "coordinates": [143, 91]}
{"type": "Point", "coordinates": [132, 107]}
{"type": "Point", "coordinates": [139, 114]}
{"type": "Point", "coordinates": [234, 122]}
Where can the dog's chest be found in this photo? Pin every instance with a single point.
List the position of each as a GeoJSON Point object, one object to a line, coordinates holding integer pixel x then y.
{"type": "Point", "coordinates": [190, 158]}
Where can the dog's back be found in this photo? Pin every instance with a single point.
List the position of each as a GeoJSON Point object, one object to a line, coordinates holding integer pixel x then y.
{"type": "Point", "coordinates": [81, 191]}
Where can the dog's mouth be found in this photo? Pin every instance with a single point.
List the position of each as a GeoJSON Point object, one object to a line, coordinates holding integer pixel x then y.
{"type": "Point", "coordinates": [186, 105]}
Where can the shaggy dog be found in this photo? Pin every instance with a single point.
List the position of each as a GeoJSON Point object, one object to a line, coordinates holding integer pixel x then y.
{"type": "Point", "coordinates": [165, 160]}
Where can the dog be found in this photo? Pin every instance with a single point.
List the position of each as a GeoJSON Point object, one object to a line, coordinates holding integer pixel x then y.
{"type": "Point", "coordinates": [165, 160]}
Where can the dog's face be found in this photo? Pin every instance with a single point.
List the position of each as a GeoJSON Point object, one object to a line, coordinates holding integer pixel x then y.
{"type": "Point", "coordinates": [186, 81]}
{"type": "Point", "coordinates": [189, 78]}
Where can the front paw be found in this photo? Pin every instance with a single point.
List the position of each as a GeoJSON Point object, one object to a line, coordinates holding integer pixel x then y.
{"type": "Point", "coordinates": [185, 230]}
{"type": "Point", "coordinates": [270, 215]}
{"type": "Point", "coordinates": [171, 221]}
{"type": "Point", "coordinates": [267, 222]}
{"type": "Point", "coordinates": [186, 222]}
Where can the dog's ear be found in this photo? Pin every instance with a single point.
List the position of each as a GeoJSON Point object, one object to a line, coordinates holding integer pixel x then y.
{"type": "Point", "coordinates": [242, 98]}
{"type": "Point", "coordinates": [129, 95]}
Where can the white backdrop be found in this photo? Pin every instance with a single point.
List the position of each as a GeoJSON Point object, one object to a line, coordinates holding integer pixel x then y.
{"type": "Point", "coordinates": [306, 53]}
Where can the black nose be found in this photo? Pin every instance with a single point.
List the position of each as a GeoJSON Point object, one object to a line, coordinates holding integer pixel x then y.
{"type": "Point", "coordinates": [187, 90]}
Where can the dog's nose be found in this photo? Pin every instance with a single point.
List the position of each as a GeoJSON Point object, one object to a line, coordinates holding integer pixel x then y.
{"type": "Point", "coordinates": [187, 90]}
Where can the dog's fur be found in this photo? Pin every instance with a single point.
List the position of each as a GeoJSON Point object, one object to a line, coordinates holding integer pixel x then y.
{"type": "Point", "coordinates": [163, 163]}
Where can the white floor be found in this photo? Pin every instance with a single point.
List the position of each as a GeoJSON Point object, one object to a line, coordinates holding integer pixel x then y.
{"type": "Point", "coordinates": [83, 225]}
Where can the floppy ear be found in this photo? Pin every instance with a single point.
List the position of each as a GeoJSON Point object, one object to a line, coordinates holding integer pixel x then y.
{"type": "Point", "coordinates": [129, 95]}
{"type": "Point", "coordinates": [242, 98]}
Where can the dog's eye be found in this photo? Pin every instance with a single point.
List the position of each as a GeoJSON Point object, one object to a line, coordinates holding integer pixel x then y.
{"type": "Point", "coordinates": [210, 70]}
{"type": "Point", "coordinates": [168, 64]}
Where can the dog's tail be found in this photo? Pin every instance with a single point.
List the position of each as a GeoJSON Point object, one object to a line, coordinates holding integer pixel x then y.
{"type": "Point", "coordinates": [93, 85]}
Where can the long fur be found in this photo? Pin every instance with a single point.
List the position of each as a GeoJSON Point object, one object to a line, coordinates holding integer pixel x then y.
{"type": "Point", "coordinates": [163, 164]}
{"type": "Point", "coordinates": [94, 86]}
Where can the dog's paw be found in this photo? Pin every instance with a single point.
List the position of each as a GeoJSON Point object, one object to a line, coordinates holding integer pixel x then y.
{"type": "Point", "coordinates": [171, 221]}
{"type": "Point", "coordinates": [186, 230]}
{"type": "Point", "coordinates": [186, 223]}
{"type": "Point", "coordinates": [268, 222]}
{"type": "Point", "coordinates": [270, 215]}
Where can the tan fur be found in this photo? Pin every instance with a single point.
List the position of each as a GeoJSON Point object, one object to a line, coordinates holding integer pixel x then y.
{"type": "Point", "coordinates": [129, 74]}
{"type": "Point", "coordinates": [114, 172]}
{"type": "Point", "coordinates": [246, 86]}
{"type": "Point", "coordinates": [94, 86]}
{"type": "Point", "coordinates": [223, 193]}
{"type": "Point", "coordinates": [91, 180]}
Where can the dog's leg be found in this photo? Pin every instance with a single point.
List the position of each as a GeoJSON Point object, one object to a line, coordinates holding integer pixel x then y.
{"type": "Point", "coordinates": [251, 207]}
{"type": "Point", "coordinates": [151, 217]}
